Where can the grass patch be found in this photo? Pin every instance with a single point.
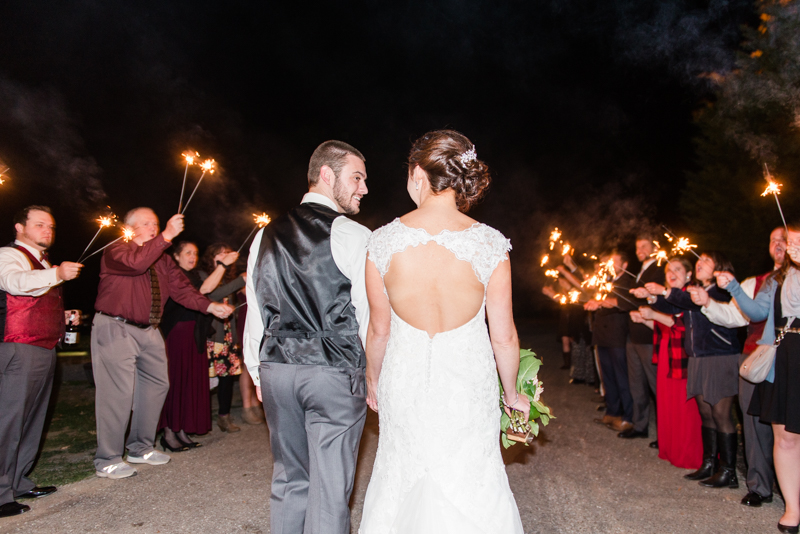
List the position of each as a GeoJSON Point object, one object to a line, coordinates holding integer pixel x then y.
{"type": "Point", "coordinates": [69, 440]}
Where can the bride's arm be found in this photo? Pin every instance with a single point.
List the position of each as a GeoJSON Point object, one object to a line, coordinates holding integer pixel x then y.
{"type": "Point", "coordinates": [503, 333]}
{"type": "Point", "coordinates": [377, 331]}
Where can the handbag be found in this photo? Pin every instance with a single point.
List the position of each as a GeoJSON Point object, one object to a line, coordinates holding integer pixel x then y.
{"type": "Point", "coordinates": [756, 367]}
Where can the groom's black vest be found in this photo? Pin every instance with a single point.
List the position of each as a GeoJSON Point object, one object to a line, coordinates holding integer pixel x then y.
{"type": "Point", "coordinates": [303, 297]}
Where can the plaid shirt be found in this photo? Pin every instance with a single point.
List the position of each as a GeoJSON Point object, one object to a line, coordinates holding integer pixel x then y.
{"type": "Point", "coordinates": [668, 343]}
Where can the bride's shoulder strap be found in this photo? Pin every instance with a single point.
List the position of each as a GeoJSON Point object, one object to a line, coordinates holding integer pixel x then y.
{"type": "Point", "coordinates": [491, 248]}
{"type": "Point", "coordinates": [387, 240]}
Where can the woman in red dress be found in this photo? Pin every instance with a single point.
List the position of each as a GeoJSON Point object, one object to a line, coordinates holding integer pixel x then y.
{"type": "Point", "coordinates": [679, 439]}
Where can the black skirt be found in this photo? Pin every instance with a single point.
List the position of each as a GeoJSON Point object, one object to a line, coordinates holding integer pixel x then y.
{"type": "Point", "coordinates": [779, 402]}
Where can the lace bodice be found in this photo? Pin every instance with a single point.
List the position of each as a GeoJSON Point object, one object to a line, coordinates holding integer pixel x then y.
{"type": "Point", "coordinates": [480, 245]}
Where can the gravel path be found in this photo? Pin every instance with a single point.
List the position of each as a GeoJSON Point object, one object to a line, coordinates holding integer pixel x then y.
{"type": "Point", "coordinates": [578, 477]}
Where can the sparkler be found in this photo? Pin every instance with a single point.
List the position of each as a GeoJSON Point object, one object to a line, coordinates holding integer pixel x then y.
{"type": "Point", "coordinates": [565, 249]}
{"type": "Point", "coordinates": [774, 189]}
{"type": "Point", "coordinates": [189, 161]}
{"type": "Point", "coordinates": [680, 245]}
{"type": "Point", "coordinates": [553, 273]}
{"type": "Point", "coordinates": [208, 166]}
{"type": "Point", "coordinates": [555, 235]}
{"type": "Point", "coordinates": [105, 222]}
{"type": "Point", "coordinates": [544, 261]}
{"type": "Point", "coordinates": [261, 221]}
{"type": "Point", "coordinates": [660, 254]}
{"type": "Point", "coordinates": [127, 235]}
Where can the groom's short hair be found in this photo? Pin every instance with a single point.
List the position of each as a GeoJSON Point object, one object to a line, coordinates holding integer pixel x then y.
{"type": "Point", "coordinates": [333, 154]}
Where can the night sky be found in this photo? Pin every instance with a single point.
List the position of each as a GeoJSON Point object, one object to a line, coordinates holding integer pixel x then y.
{"type": "Point", "coordinates": [582, 109]}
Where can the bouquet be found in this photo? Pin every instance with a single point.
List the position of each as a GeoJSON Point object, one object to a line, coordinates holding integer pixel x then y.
{"type": "Point", "coordinates": [516, 429]}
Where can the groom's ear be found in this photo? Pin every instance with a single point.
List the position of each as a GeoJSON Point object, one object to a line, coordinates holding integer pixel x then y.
{"type": "Point", "coordinates": [326, 174]}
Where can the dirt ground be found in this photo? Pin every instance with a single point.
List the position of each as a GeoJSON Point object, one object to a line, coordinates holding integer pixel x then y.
{"type": "Point", "coordinates": [578, 477]}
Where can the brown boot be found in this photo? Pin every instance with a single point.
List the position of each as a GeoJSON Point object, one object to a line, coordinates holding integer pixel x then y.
{"type": "Point", "coordinates": [621, 426]}
{"type": "Point", "coordinates": [251, 415]}
{"type": "Point", "coordinates": [226, 424]}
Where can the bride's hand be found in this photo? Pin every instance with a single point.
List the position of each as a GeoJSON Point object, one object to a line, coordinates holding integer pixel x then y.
{"type": "Point", "coordinates": [521, 404]}
{"type": "Point", "coordinates": [372, 394]}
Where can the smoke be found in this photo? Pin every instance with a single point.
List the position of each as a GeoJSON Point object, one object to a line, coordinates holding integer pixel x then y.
{"type": "Point", "coordinates": [49, 131]}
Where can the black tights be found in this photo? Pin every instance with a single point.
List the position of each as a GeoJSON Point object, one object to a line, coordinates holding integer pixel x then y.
{"type": "Point", "coordinates": [225, 393]}
{"type": "Point", "coordinates": [717, 417]}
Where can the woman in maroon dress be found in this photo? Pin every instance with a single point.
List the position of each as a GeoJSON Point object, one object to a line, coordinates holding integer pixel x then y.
{"type": "Point", "coordinates": [679, 439]}
{"type": "Point", "coordinates": [187, 409]}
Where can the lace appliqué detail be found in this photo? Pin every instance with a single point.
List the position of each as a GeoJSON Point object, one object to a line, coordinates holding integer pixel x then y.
{"type": "Point", "coordinates": [480, 245]}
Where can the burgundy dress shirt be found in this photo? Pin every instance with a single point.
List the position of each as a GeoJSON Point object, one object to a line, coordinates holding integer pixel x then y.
{"type": "Point", "coordinates": [124, 288]}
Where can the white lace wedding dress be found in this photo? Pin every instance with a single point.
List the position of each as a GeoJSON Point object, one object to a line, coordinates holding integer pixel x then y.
{"type": "Point", "coordinates": [438, 467]}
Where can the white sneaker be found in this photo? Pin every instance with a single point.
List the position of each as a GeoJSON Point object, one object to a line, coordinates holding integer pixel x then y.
{"type": "Point", "coordinates": [153, 458]}
{"type": "Point", "coordinates": [120, 470]}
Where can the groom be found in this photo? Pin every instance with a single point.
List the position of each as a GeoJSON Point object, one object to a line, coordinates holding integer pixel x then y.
{"type": "Point", "coordinates": [303, 343]}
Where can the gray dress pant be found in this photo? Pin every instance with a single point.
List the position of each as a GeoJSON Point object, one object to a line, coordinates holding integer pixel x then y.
{"type": "Point", "coordinates": [758, 442]}
{"type": "Point", "coordinates": [315, 415]}
{"type": "Point", "coordinates": [642, 380]}
{"type": "Point", "coordinates": [26, 380]}
{"type": "Point", "coordinates": [130, 374]}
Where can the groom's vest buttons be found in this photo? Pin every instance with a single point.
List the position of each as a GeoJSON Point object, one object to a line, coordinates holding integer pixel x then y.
{"type": "Point", "coordinates": [303, 297]}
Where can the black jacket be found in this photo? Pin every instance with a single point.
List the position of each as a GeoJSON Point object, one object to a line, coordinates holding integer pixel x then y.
{"type": "Point", "coordinates": [639, 333]}
{"type": "Point", "coordinates": [703, 338]}
{"type": "Point", "coordinates": [610, 325]}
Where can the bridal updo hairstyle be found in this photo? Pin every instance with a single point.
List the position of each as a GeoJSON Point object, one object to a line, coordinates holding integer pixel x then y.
{"type": "Point", "coordinates": [438, 153]}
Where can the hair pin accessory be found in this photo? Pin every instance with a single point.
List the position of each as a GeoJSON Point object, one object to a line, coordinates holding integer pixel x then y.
{"type": "Point", "coordinates": [469, 155]}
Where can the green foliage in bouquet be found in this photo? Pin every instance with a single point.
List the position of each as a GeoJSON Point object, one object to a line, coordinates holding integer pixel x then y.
{"type": "Point", "coordinates": [528, 384]}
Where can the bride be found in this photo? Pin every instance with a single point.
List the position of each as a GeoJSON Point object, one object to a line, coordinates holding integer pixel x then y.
{"type": "Point", "coordinates": [434, 276]}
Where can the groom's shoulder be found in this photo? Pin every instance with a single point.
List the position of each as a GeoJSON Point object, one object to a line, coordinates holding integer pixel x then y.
{"type": "Point", "coordinates": [350, 228]}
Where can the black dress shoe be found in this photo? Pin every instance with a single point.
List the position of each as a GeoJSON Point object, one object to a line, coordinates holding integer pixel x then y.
{"type": "Point", "coordinates": [755, 500]}
{"type": "Point", "coordinates": [631, 433]}
{"type": "Point", "coordinates": [167, 446]}
{"type": "Point", "coordinates": [789, 530]}
{"type": "Point", "coordinates": [189, 444]}
{"type": "Point", "coordinates": [653, 444]}
{"type": "Point", "coordinates": [13, 508]}
{"type": "Point", "coordinates": [37, 492]}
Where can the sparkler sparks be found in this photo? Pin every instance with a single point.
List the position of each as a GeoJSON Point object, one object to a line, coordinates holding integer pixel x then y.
{"type": "Point", "coordinates": [208, 166]}
{"type": "Point", "coordinates": [104, 222]}
{"type": "Point", "coordinates": [660, 254]}
{"type": "Point", "coordinates": [565, 249]}
{"type": "Point", "coordinates": [555, 235]}
{"type": "Point", "coordinates": [574, 295]}
{"type": "Point", "coordinates": [680, 245]}
{"type": "Point", "coordinates": [552, 273]}
{"type": "Point", "coordinates": [544, 261]}
{"type": "Point", "coordinates": [189, 161]}
{"type": "Point", "coordinates": [774, 189]}
{"type": "Point", "coordinates": [261, 221]}
{"type": "Point", "coordinates": [127, 235]}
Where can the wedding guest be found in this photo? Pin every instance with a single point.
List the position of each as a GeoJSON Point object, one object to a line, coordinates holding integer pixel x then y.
{"type": "Point", "coordinates": [31, 324]}
{"type": "Point", "coordinates": [129, 359]}
{"type": "Point", "coordinates": [678, 418]}
{"type": "Point", "coordinates": [639, 347]}
{"type": "Point", "coordinates": [187, 409]}
{"type": "Point", "coordinates": [223, 344]}
{"type": "Point", "coordinates": [758, 440]}
{"type": "Point", "coordinates": [712, 371]}
{"type": "Point", "coordinates": [777, 399]}
{"type": "Point", "coordinates": [610, 333]}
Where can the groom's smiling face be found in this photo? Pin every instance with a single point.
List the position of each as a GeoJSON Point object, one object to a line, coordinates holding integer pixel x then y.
{"type": "Point", "coordinates": [350, 186]}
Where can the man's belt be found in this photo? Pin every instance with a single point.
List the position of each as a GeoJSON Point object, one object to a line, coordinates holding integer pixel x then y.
{"type": "Point", "coordinates": [309, 335]}
{"type": "Point", "coordinates": [126, 321]}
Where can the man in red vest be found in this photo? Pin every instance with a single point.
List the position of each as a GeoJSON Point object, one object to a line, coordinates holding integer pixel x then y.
{"type": "Point", "coordinates": [31, 324]}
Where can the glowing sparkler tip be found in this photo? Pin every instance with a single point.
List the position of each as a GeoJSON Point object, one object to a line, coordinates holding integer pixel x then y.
{"type": "Point", "coordinates": [127, 234]}
{"type": "Point", "coordinates": [544, 261]}
{"type": "Point", "coordinates": [262, 220]}
{"type": "Point", "coordinates": [552, 273]}
{"type": "Point", "coordinates": [208, 166]}
{"type": "Point", "coordinates": [565, 249]}
{"type": "Point", "coordinates": [773, 188]}
{"type": "Point", "coordinates": [105, 221]}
